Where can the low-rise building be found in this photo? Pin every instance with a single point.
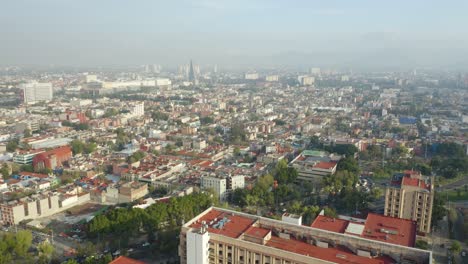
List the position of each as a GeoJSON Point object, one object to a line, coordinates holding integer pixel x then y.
{"type": "Point", "coordinates": [39, 205]}
{"type": "Point", "coordinates": [132, 191]}
{"type": "Point", "coordinates": [313, 166]}
{"type": "Point", "coordinates": [52, 159]}
{"type": "Point", "coordinates": [26, 157]}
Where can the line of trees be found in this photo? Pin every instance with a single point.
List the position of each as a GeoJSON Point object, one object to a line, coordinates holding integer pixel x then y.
{"type": "Point", "coordinates": [14, 247]}
{"type": "Point", "coordinates": [79, 147]}
{"type": "Point", "coordinates": [160, 220]}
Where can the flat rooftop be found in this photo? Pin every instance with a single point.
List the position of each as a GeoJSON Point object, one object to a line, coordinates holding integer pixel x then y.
{"type": "Point", "coordinates": [235, 226]}
{"type": "Point", "coordinates": [375, 227]}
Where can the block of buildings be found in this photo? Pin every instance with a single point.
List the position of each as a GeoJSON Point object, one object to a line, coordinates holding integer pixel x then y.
{"type": "Point", "coordinates": [131, 191]}
{"type": "Point", "coordinates": [313, 165]}
{"type": "Point", "coordinates": [26, 157]}
{"type": "Point", "coordinates": [38, 205]}
{"type": "Point", "coordinates": [223, 186]}
{"type": "Point", "coordinates": [410, 196]}
{"type": "Point", "coordinates": [52, 159]}
{"type": "Point", "coordinates": [224, 236]}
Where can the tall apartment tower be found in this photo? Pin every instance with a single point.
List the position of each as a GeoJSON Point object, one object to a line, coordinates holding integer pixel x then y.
{"type": "Point", "coordinates": [35, 92]}
{"type": "Point", "coordinates": [410, 196]}
{"type": "Point", "coordinates": [191, 75]}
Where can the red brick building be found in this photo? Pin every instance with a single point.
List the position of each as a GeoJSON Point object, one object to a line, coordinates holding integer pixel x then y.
{"type": "Point", "coordinates": [52, 159]}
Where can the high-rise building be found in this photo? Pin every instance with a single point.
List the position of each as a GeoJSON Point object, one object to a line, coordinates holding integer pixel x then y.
{"type": "Point", "coordinates": [91, 78]}
{"type": "Point", "coordinates": [306, 80]}
{"type": "Point", "coordinates": [251, 76]}
{"type": "Point", "coordinates": [410, 196]}
{"type": "Point", "coordinates": [191, 74]}
{"type": "Point", "coordinates": [138, 109]}
{"type": "Point", "coordinates": [272, 78]}
{"type": "Point", "coordinates": [35, 92]}
{"type": "Point", "coordinates": [315, 71]}
{"type": "Point", "coordinates": [224, 236]}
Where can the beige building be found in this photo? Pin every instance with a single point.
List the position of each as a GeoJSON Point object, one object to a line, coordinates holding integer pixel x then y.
{"type": "Point", "coordinates": [39, 205]}
{"type": "Point", "coordinates": [132, 191]}
{"type": "Point", "coordinates": [221, 236]}
{"type": "Point", "coordinates": [410, 196]}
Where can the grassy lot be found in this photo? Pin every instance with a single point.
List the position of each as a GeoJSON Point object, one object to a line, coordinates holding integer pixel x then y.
{"type": "Point", "coordinates": [441, 181]}
{"type": "Point", "coordinates": [454, 195]}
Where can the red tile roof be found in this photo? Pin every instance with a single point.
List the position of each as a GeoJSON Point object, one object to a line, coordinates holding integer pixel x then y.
{"type": "Point", "coordinates": [390, 229]}
{"type": "Point", "coordinates": [257, 232]}
{"type": "Point", "coordinates": [126, 260]}
{"type": "Point", "coordinates": [325, 165]}
{"type": "Point", "coordinates": [335, 255]}
{"type": "Point", "coordinates": [235, 227]}
{"type": "Point", "coordinates": [376, 227]}
{"type": "Point", "coordinates": [415, 183]}
{"type": "Point", "coordinates": [238, 225]}
{"type": "Point", "coordinates": [330, 224]}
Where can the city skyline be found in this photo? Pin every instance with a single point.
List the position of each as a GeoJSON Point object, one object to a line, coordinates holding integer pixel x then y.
{"type": "Point", "coordinates": [361, 35]}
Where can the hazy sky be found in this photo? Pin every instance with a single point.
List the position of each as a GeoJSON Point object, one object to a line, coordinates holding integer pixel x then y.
{"type": "Point", "coordinates": [346, 33]}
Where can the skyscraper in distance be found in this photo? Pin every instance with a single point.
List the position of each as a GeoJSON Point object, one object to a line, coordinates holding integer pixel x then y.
{"type": "Point", "coordinates": [191, 75]}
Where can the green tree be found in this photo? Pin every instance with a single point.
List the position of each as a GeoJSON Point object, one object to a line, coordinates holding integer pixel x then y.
{"type": "Point", "coordinates": [23, 243]}
{"type": "Point", "coordinates": [27, 167]}
{"type": "Point", "coordinates": [284, 174]}
{"type": "Point", "coordinates": [206, 120]}
{"type": "Point", "coordinates": [349, 164]}
{"type": "Point", "coordinates": [330, 212]}
{"type": "Point", "coordinates": [45, 251]}
{"type": "Point", "coordinates": [27, 133]}
{"type": "Point", "coordinates": [345, 149]}
{"type": "Point", "coordinates": [90, 147]}
{"type": "Point", "coordinates": [77, 146]}
{"type": "Point", "coordinates": [5, 171]}
{"type": "Point", "coordinates": [456, 247]}
{"type": "Point", "coordinates": [422, 244]}
{"type": "Point", "coordinates": [12, 146]}
{"type": "Point", "coordinates": [87, 249]}
{"type": "Point", "coordinates": [236, 151]}
{"type": "Point", "coordinates": [438, 208]}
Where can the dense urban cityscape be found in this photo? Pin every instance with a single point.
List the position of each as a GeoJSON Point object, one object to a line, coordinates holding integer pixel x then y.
{"type": "Point", "coordinates": [275, 166]}
{"type": "Point", "coordinates": [233, 132]}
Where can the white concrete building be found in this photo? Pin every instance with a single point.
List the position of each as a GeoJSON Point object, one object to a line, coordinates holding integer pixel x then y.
{"type": "Point", "coordinates": [91, 78]}
{"type": "Point", "coordinates": [292, 219]}
{"type": "Point", "coordinates": [306, 80]}
{"type": "Point", "coordinates": [80, 102]}
{"type": "Point", "coordinates": [35, 92]}
{"type": "Point", "coordinates": [138, 109]}
{"type": "Point", "coordinates": [236, 182]}
{"type": "Point", "coordinates": [198, 247]}
{"type": "Point", "coordinates": [219, 185]}
{"type": "Point", "coordinates": [272, 78]}
{"type": "Point", "coordinates": [251, 76]}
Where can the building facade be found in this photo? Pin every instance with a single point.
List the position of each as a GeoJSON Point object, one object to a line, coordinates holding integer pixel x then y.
{"type": "Point", "coordinates": [52, 159]}
{"type": "Point", "coordinates": [220, 236]}
{"type": "Point", "coordinates": [35, 92]}
{"type": "Point", "coordinates": [40, 205]}
{"type": "Point", "coordinates": [410, 196]}
{"type": "Point", "coordinates": [313, 166]}
{"type": "Point", "coordinates": [219, 185]}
